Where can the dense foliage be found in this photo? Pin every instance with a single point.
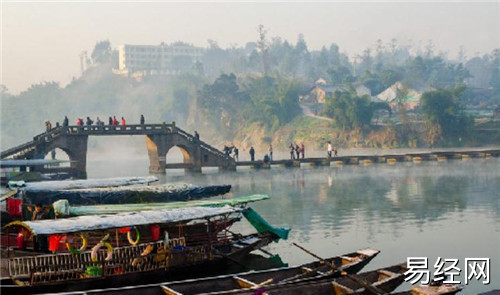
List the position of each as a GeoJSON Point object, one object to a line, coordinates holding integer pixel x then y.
{"type": "Point", "coordinates": [444, 114]}
{"type": "Point", "coordinates": [230, 89]}
{"type": "Point", "coordinates": [351, 111]}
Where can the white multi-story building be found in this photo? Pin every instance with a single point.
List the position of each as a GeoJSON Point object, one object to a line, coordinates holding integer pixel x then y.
{"type": "Point", "coordinates": [141, 60]}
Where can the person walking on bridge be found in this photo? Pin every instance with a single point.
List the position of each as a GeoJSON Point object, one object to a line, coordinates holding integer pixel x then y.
{"type": "Point", "coordinates": [65, 121]}
{"type": "Point", "coordinates": [292, 151]}
{"type": "Point", "coordinates": [142, 120]}
{"type": "Point", "coordinates": [196, 135]}
{"type": "Point", "coordinates": [270, 153]}
{"type": "Point", "coordinates": [123, 121]}
{"type": "Point", "coordinates": [303, 150]}
{"type": "Point", "coordinates": [252, 154]}
{"type": "Point", "coordinates": [329, 149]}
{"type": "Point", "coordinates": [297, 151]}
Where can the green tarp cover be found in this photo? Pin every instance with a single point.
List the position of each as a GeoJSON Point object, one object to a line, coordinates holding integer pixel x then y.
{"type": "Point", "coordinates": [62, 207]}
{"type": "Point", "coordinates": [262, 226]}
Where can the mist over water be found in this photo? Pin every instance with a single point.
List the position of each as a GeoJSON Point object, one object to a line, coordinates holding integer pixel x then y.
{"type": "Point", "coordinates": [432, 209]}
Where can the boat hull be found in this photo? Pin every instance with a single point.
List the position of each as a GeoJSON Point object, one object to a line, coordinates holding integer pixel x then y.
{"type": "Point", "coordinates": [223, 255]}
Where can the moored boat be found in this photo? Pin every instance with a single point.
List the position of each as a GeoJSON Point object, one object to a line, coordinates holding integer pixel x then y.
{"type": "Point", "coordinates": [380, 281]}
{"type": "Point", "coordinates": [349, 263]}
{"type": "Point", "coordinates": [122, 194]}
{"type": "Point", "coordinates": [164, 247]}
{"type": "Point", "coordinates": [63, 208]}
{"type": "Point", "coordinates": [82, 183]}
{"type": "Point", "coordinates": [444, 289]}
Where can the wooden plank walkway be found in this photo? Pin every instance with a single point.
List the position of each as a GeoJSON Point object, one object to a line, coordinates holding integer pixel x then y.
{"type": "Point", "coordinates": [368, 159]}
{"type": "Point", "coordinates": [361, 159]}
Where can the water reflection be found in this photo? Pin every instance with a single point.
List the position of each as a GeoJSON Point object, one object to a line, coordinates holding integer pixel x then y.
{"type": "Point", "coordinates": [449, 209]}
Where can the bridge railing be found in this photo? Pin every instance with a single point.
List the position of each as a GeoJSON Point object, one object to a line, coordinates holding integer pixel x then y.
{"type": "Point", "coordinates": [203, 144]}
{"type": "Point", "coordinates": [114, 129]}
{"type": "Point", "coordinates": [17, 149]}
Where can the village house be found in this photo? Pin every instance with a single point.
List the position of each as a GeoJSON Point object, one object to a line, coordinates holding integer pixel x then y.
{"type": "Point", "coordinates": [321, 90]}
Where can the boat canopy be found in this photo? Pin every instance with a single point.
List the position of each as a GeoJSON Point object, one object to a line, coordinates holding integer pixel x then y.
{"type": "Point", "coordinates": [102, 222]}
{"type": "Point", "coordinates": [124, 194]}
{"type": "Point", "coordinates": [81, 184]}
{"type": "Point", "coordinates": [63, 207]}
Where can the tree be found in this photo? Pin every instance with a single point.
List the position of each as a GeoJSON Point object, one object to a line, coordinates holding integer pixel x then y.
{"type": "Point", "coordinates": [262, 44]}
{"type": "Point", "coordinates": [442, 108]}
{"type": "Point", "coordinates": [102, 52]}
{"type": "Point", "coordinates": [340, 75]}
{"type": "Point", "coordinates": [272, 102]}
{"type": "Point", "coordinates": [351, 111]}
{"type": "Point", "coordinates": [221, 98]}
{"type": "Point", "coordinates": [495, 69]}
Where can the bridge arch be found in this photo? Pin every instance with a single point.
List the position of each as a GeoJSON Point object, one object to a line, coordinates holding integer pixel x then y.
{"type": "Point", "coordinates": [60, 154]}
{"type": "Point", "coordinates": [160, 138]}
{"type": "Point", "coordinates": [187, 154]}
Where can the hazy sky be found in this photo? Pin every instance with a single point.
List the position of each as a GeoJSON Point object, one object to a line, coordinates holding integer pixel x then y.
{"type": "Point", "coordinates": [42, 41]}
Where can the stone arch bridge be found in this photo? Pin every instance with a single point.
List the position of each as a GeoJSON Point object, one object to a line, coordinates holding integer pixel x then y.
{"type": "Point", "coordinates": [160, 138]}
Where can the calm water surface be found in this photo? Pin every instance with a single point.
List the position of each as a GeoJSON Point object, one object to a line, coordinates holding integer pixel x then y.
{"type": "Point", "coordinates": [431, 209]}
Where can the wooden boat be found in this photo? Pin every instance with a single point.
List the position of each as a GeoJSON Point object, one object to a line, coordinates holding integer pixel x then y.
{"type": "Point", "coordinates": [444, 289]}
{"type": "Point", "coordinates": [121, 262]}
{"type": "Point", "coordinates": [63, 208]}
{"type": "Point", "coordinates": [349, 263]}
{"type": "Point", "coordinates": [81, 183]}
{"type": "Point", "coordinates": [44, 192]}
{"type": "Point", "coordinates": [19, 170]}
{"type": "Point", "coordinates": [380, 281]}
{"type": "Point", "coordinates": [123, 194]}
{"type": "Point", "coordinates": [53, 197]}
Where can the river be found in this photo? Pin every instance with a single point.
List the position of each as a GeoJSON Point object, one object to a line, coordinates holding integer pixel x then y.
{"type": "Point", "coordinates": [433, 209]}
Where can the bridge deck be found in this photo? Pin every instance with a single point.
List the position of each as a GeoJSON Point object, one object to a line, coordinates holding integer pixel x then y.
{"type": "Point", "coordinates": [24, 150]}
{"type": "Point", "coordinates": [356, 159]}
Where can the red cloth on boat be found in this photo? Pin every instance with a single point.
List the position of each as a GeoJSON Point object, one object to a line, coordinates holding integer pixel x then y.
{"type": "Point", "coordinates": [14, 207]}
{"type": "Point", "coordinates": [124, 229]}
{"type": "Point", "coordinates": [54, 242]}
{"type": "Point", "coordinates": [21, 243]}
{"type": "Point", "coordinates": [155, 232]}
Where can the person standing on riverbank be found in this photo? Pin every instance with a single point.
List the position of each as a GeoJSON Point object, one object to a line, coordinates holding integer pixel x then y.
{"type": "Point", "coordinates": [252, 154]}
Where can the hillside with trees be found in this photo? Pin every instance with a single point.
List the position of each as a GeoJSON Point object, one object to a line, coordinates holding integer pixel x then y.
{"type": "Point", "coordinates": [254, 95]}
